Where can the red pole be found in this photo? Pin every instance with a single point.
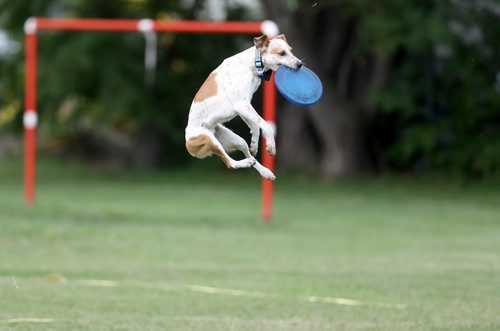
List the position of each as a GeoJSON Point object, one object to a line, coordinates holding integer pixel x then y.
{"type": "Point", "coordinates": [30, 114]}
{"type": "Point", "coordinates": [269, 114]}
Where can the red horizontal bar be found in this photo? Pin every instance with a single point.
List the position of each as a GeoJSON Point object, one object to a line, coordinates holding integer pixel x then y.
{"type": "Point", "coordinates": [208, 27]}
{"type": "Point", "coordinates": [132, 25]}
{"type": "Point", "coordinates": [86, 24]}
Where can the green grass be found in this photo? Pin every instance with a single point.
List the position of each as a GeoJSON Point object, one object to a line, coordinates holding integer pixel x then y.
{"type": "Point", "coordinates": [187, 251]}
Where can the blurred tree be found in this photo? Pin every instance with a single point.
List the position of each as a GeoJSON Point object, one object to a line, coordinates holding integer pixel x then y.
{"type": "Point", "coordinates": [330, 37]}
{"type": "Point", "coordinates": [441, 109]}
{"type": "Point", "coordinates": [409, 85]}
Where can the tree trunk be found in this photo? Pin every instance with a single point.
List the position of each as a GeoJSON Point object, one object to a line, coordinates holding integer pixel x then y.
{"type": "Point", "coordinates": [147, 146]}
{"type": "Point", "coordinates": [342, 118]}
{"type": "Point", "coordinates": [297, 147]}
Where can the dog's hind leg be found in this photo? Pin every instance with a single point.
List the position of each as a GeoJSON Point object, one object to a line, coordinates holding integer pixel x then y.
{"type": "Point", "coordinates": [232, 142]}
{"type": "Point", "coordinates": [207, 144]}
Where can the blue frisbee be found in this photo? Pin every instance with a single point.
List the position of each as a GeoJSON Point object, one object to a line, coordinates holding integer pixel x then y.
{"type": "Point", "coordinates": [299, 86]}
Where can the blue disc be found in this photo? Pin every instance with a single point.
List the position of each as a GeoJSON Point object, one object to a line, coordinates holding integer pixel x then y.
{"type": "Point", "coordinates": [299, 86]}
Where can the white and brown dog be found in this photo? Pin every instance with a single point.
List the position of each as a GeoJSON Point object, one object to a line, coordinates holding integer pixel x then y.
{"type": "Point", "coordinates": [227, 93]}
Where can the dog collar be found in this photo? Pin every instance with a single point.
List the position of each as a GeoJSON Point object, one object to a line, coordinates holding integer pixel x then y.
{"type": "Point", "coordinates": [259, 64]}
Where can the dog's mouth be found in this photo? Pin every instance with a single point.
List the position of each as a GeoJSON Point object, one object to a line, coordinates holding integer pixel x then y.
{"type": "Point", "coordinates": [289, 67]}
{"type": "Point", "coordinates": [296, 68]}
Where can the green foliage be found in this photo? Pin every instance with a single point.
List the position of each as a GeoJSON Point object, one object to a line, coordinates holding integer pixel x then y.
{"type": "Point", "coordinates": [440, 110]}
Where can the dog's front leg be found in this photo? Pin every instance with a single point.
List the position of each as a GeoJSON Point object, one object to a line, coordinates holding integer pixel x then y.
{"type": "Point", "coordinates": [255, 132]}
{"type": "Point", "coordinates": [249, 115]}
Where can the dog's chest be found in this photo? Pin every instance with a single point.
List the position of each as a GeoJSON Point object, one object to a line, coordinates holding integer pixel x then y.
{"type": "Point", "coordinates": [238, 79]}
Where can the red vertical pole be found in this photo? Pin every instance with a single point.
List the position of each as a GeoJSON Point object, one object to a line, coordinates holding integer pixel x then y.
{"type": "Point", "coordinates": [269, 114]}
{"type": "Point", "coordinates": [30, 114]}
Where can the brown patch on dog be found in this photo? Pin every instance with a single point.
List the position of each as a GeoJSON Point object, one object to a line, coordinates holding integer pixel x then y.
{"type": "Point", "coordinates": [261, 42]}
{"type": "Point", "coordinates": [276, 51]}
{"type": "Point", "coordinates": [203, 146]}
{"type": "Point", "coordinates": [208, 89]}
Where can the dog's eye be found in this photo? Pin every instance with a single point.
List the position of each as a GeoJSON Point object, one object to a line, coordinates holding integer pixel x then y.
{"type": "Point", "coordinates": [283, 53]}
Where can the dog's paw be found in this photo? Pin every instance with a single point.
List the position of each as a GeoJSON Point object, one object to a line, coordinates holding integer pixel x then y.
{"type": "Point", "coordinates": [271, 148]}
{"type": "Point", "coordinates": [267, 174]}
{"type": "Point", "coordinates": [245, 163]}
{"type": "Point", "coordinates": [254, 148]}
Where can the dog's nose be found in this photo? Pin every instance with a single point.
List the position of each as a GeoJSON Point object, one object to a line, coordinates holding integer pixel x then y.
{"type": "Point", "coordinates": [299, 64]}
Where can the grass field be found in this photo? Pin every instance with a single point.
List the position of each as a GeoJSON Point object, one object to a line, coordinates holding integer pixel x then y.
{"type": "Point", "coordinates": [187, 251]}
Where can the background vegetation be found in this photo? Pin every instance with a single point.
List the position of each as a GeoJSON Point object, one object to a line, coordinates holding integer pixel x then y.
{"type": "Point", "coordinates": [410, 87]}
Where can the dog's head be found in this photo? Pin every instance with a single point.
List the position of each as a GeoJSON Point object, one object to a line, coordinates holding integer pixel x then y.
{"type": "Point", "coordinates": [276, 52]}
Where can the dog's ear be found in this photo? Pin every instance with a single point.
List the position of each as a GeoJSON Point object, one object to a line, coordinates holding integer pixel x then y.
{"type": "Point", "coordinates": [282, 37]}
{"type": "Point", "coordinates": [261, 42]}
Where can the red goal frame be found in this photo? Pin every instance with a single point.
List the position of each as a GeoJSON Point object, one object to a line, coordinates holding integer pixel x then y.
{"type": "Point", "coordinates": [30, 118]}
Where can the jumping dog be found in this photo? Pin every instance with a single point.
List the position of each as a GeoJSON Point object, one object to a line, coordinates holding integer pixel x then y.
{"type": "Point", "coordinates": [227, 93]}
